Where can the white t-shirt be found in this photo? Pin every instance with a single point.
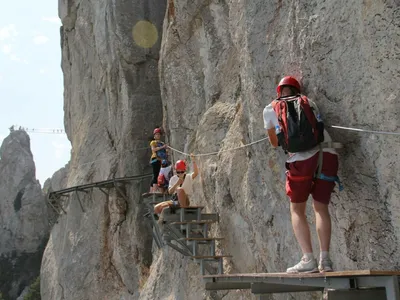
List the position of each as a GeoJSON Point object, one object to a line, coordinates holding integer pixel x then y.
{"type": "Point", "coordinates": [270, 121]}
{"type": "Point", "coordinates": [187, 183]}
{"type": "Point", "coordinates": [165, 171]}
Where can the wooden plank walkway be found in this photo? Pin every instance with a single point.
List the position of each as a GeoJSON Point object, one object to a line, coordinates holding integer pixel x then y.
{"type": "Point", "coordinates": [343, 285]}
{"type": "Point", "coordinates": [308, 275]}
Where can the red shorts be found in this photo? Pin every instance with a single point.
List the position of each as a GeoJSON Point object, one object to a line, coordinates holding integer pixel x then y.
{"type": "Point", "coordinates": [300, 181]}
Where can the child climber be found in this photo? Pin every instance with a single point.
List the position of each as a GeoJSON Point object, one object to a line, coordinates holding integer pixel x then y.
{"type": "Point", "coordinates": [164, 175]}
{"type": "Point", "coordinates": [158, 153]}
{"type": "Point", "coordinates": [180, 186]}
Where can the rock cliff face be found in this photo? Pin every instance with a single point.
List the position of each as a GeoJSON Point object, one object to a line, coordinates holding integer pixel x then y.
{"type": "Point", "coordinates": [112, 103]}
{"type": "Point", "coordinates": [219, 64]}
{"type": "Point", "coordinates": [24, 224]}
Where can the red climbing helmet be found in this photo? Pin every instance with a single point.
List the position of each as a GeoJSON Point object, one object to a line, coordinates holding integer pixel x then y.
{"type": "Point", "coordinates": [180, 165]}
{"type": "Point", "coordinates": [287, 80]}
{"type": "Point", "coordinates": [157, 130]}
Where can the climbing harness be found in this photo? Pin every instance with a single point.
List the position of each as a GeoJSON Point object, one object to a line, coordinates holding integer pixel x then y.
{"type": "Point", "coordinates": [319, 174]}
{"type": "Point", "coordinates": [332, 179]}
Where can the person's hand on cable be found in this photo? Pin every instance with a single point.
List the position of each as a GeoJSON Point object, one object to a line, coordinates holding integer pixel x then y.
{"type": "Point", "coordinates": [195, 168]}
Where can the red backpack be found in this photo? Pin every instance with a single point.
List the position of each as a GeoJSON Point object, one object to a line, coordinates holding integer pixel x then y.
{"type": "Point", "coordinates": [299, 130]}
{"type": "Point", "coordinates": [161, 180]}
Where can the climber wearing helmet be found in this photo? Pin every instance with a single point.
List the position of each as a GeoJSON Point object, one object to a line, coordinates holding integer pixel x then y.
{"type": "Point", "coordinates": [158, 153]}
{"type": "Point", "coordinates": [180, 186]}
{"type": "Point", "coordinates": [293, 122]}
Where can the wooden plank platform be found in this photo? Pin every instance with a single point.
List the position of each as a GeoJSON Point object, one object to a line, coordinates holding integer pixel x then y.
{"type": "Point", "coordinates": [309, 275]}
{"type": "Point", "coordinates": [189, 217]}
{"type": "Point", "coordinates": [343, 285]}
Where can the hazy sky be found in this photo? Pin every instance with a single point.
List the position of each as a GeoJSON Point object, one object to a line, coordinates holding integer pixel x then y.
{"type": "Point", "coordinates": [31, 82]}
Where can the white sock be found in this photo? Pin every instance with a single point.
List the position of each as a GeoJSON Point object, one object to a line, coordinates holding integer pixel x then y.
{"type": "Point", "coordinates": [308, 256]}
{"type": "Point", "coordinates": [324, 254]}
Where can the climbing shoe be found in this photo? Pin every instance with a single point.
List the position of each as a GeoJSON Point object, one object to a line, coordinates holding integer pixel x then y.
{"type": "Point", "coordinates": [325, 265]}
{"type": "Point", "coordinates": [304, 266]}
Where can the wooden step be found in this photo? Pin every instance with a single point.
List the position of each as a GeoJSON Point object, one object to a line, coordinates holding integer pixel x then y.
{"type": "Point", "coordinates": [189, 216]}
{"type": "Point", "coordinates": [193, 222]}
{"type": "Point", "coordinates": [211, 257]}
{"type": "Point", "coordinates": [201, 239]}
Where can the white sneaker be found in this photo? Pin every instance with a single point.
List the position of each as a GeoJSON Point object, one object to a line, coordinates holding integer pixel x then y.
{"type": "Point", "coordinates": [304, 266]}
{"type": "Point", "coordinates": [325, 265]}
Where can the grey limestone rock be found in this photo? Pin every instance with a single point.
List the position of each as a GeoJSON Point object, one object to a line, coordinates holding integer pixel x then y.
{"type": "Point", "coordinates": [112, 103]}
{"type": "Point", "coordinates": [219, 64]}
{"type": "Point", "coordinates": [24, 226]}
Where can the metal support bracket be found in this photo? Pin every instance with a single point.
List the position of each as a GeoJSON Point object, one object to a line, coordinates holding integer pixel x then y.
{"type": "Point", "coordinates": [267, 288]}
{"type": "Point", "coordinates": [52, 206]}
{"type": "Point", "coordinates": [103, 191]}
{"type": "Point", "coordinates": [390, 283]}
{"type": "Point", "coordinates": [120, 192]}
{"type": "Point", "coordinates": [79, 199]}
{"type": "Point", "coordinates": [156, 229]}
{"type": "Point", "coordinates": [332, 283]}
{"type": "Point", "coordinates": [182, 251]}
{"type": "Point", "coordinates": [175, 233]}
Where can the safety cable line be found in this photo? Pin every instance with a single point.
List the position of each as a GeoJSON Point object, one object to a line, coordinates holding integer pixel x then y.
{"type": "Point", "coordinates": [221, 151]}
{"type": "Point", "coordinates": [365, 130]}
{"type": "Point", "coordinates": [261, 140]}
{"type": "Point", "coordinates": [242, 146]}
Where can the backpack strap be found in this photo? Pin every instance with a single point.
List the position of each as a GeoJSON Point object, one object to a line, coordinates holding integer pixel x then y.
{"type": "Point", "coordinates": [184, 176]}
{"type": "Point", "coordinates": [280, 108]}
{"type": "Point", "coordinates": [303, 101]}
{"type": "Point", "coordinates": [320, 161]}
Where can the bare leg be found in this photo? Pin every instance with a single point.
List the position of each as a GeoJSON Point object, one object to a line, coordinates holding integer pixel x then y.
{"type": "Point", "coordinates": [160, 206]}
{"type": "Point", "coordinates": [182, 197]}
{"type": "Point", "coordinates": [300, 226]}
{"type": "Point", "coordinates": [323, 223]}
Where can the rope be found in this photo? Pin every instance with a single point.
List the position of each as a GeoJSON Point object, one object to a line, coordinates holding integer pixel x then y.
{"type": "Point", "coordinates": [240, 147]}
{"type": "Point", "coordinates": [220, 151]}
{"type": "Point", "coordinates": [263, 139]}
{"type": "Point", "coordinates": [364, 130]}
